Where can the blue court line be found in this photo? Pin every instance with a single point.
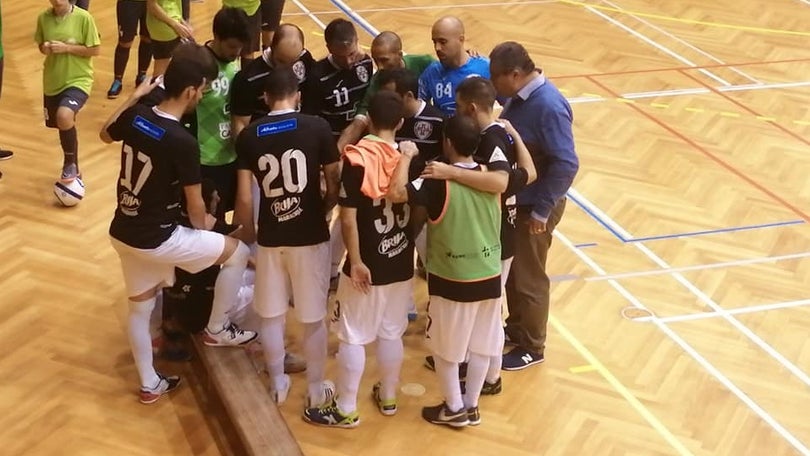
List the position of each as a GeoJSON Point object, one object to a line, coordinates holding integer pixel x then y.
{"type": "Point", "coordinates": [719, 230]}
{"type": "Point", "coordinates": [356, 18]}
{"type": "Point", "coordinates": [596, 217]}
{"type": "Point", "coordinates": [587, 244]}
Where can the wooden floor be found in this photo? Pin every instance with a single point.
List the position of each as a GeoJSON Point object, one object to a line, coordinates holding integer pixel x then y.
{"type": "Point", "coordinates": [679, 320]}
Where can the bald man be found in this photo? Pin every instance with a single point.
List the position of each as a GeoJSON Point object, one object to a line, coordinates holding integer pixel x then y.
{"type": "Point", "coordinates": [247, 93]}
{"type": "Point", "coordinates": [439, 81]}
{"type": "Point", "coordinates": [386, 51]}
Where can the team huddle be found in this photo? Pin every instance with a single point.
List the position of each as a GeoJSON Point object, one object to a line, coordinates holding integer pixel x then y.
{"type": "Point", "coordinates": [336, 175]}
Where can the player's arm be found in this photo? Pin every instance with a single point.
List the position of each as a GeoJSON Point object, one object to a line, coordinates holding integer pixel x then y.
{"type": "Point", "coordinates": [139, 92]}
{"type": "Point", "coordinates": [182, 30]}
{"type": "Point", "coordinates": [397, 190]}
{"type": "Point", "coordinates": [238, 123]}
{"type": "Point", "coordinates": [195, 206]}
{"type": "Point", "coordinates": [332, 175]}
{"type": "Point", "coordinates": [58, 47]}
{"type": "Point", "coordinates": [243, 207]}
{"type": "Point", "coordinates": [360, 274]}
{"type": "Point", "coordinates": [524, 158]}
{"type": "Point", "coordinates": [485, 181]}
{"type": "Point", "coordinates": [353, 132]}
{"type": "Point", "coordinates": [241, 104]}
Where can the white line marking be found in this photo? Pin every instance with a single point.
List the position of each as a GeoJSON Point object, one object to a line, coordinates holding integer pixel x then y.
{"type": "Point", "coordinates": [737, 311]}
{"type": "Point", "coordinates": [360, 19]}
{"type": "Point", "coordinates": [430, 7]}
{"type": "Point", "coordinates": [694, 91]}
{"type": "Point", "coordinates": [778, 85]}
{"type": "Point", "coordinates": [309, 13]}
{"type": "Point", "coordinates": [600, 214]}
{"type": "Point", "coordinates": [700, 267]}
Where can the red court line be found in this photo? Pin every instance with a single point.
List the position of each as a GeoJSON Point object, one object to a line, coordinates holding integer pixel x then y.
{"type": "Point", "coordinates": [708, 154]}
{"type": "Point", "coordinates": [746, 108]}
{"type": "Point", "coordinates": [702, 67]}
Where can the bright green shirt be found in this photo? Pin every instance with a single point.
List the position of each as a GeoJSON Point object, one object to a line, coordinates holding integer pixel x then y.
{"type": "Point", "coordinates": [62, 71]}
{"type": "Point", "coordinates": [465, 242]}
{"type": "Point", "coordinates": [214, 118]}
{"type": "Point", "coordinates": [249, 6]}
{"type": "Point", "coordinates": [160, 31]}
{"type": "Point", "coordinates": [413, 62]}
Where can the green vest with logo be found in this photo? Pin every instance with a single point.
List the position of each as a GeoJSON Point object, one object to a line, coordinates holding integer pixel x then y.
{"type": "Point", "coordinates": [214, 118]}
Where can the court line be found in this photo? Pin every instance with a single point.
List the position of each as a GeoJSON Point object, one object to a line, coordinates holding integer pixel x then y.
{"type": "Point", "coordinates": [708, 154]}
{"type": "Point", "coordinates": [700, 267]}
{"type": "Point", "coordinates": [656, 70]}
{"type": "Point", "coordinates": [717, 231]}
{"type": "Point", "coordinates": [348, 11]}
{"type": "Point", "coordinates": [735, 311]}
{"type": "Point", "coordinates": [431, 7]}
{"type": "Point", "coordinates": [680, 40]}
{"type": "Point", "coordinates": [702, 361]}
{"type": "Point", "coordinates": [309, 13]}
{"type": "Point", "coordinates": [624, 392]}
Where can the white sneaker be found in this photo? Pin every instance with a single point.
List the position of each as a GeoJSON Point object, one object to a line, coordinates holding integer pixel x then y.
{"type": "Point", "coordinates": [230, 336]}
{"type": "Point", "coordinates": [279, 396]}
{"type": "Point", "coordinates": [328, 392]}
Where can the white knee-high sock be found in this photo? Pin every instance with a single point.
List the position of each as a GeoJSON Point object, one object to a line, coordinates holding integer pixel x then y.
{"type": "Point", "coordinates": [448, 383]}
{"type": "Point", "coordinates": [476, 371]}
{"type": "Point", "coordinates": [494, 371]}
{"type": "Point", "coordinates": [226, 288]}
{"type": "Point", "coordinates": [140, 340]}
{"type": "Point", "coordinates": [315, 353]}
{"type": "Point", "coordinates": [351, 363]}
{"type": "Point", "coordinates": [271, 333]}
{"type": "Point", "coordinates": [389, 360]}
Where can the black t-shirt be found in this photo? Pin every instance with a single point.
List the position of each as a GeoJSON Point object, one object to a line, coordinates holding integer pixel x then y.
{"type": "Point", "coordinates": [158, 158]}
{"type": "Point", "coordinates": [247, 90]}
{"type": "Point", "coordinates": [497, 151]}
{"type": "Point", "coordinates": [432, 194]}
{"type": "Point", "coordinates": [285, 151]}
{"type": "Point", "coordinates": [386, 240]}
{"type": "Point", "coordinates": [333, 93]}
{"type": "Point", "coordinates": [424, 129]}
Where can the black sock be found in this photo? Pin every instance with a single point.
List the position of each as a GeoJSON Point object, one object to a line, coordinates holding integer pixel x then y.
{"type": "Point", "coordinates": [70, 146]}
{"type": "Point", "coordinates": [144, 56]}
{"type": "Point", "coordinates": [186, 4]}
{"type": "Point", "coordinates": [120, 61]}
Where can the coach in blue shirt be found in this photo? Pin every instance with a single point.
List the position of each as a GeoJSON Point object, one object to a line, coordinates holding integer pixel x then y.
{"type": "Point", "coordinates": [543, 118]}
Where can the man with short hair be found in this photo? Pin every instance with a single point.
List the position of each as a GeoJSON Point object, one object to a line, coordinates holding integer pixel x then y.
{"type": "Point", "coordinates": [544, 119]}
{"type": "Point", "coordinates": [159, 159]}
{"type": "Point", "coordinates": [439, 81]}
{"type": "Point", "coordinates": [253, 27]}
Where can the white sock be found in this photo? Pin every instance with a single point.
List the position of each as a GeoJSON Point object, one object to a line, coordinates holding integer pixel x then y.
{"type": "Point", "coordinates": [140, 340]}
{"type": "Point", "coordinates": [494, 371]}
{"type": "Point", "coordinates": [271, 333]}
{"type": "Point", "coordinates": [389, 361]}
{"type": "Point", "coordinates": [226, 289]}
{"type": "Point", "coordinates": [476, 371]}
{"type": "Point", "coordinates": [315, 353]}
{"type": "Point", "coordinates": [351, 363]}
{"type": "Point", "coordinates": [448, 383]}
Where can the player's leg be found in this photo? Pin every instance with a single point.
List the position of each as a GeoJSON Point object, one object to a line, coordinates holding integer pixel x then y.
{"type": "Point", "coordinates": [396, 299]}
{"type": "Point", "coordinates": [337, 248]}
{"type": "Point", "coordinates": [144, 45]}
{"type": "Point", "coordinates": [486, 345]}
{"type": "Point", "coordinates": [126, 14]}
{"type": "Point", "coordinates": [186, 9]}
{"type": "Point", "coordinates": [162, 52]}
{"type": "Point", "coordinates": [271, 19]}
{"type": "Point", "coordinates": [67, 104]}
{"type": "Point", "coordinates": [255, 28]}
{"type": "Point", "coordinates": [220, 331]}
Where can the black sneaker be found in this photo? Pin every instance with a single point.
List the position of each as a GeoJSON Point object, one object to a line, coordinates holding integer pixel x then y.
{"type": "Point", "coordinates": [440, 414]}
{"type": "Point", "coordinates": [519, 358]}
{"type": "Point", "coordinates": [330, 415]}
{"type": "Point", "coordinates": [474, 416]}
{"type": "Point", "coordinates": [489, 389]}
{"type": "Point", "coordinates": [5, 154]}
{"type": "Point", "coordinates": [115, 89]}
{"type": "Point", "coordinates": [139, 79]}
{"type": "Point", "coordinates": [430, 363]}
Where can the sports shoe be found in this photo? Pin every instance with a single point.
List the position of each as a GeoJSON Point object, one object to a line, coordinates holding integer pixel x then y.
{"type": "Point", "coordinates": [519, 358]}
{"type": "Point", "coordinates": [388, 407]}
{"type": "Point", "coordinates": [115, 89]}
{"type": "Point", "coordinates": [474, 416]}
{"type": "Point", "coordinates": [279, 396]}
{"type": "Point", "coordinates": [69, 173]}
{"type": "Point", "coordinates": [139, 79]}
{"type": "Point", "coordinates": [5, 154]}
{"type": "Point", "coordinates": [430, 363]}
{"type": "Point", "coordinates": [440, 414]}
{"type": "Point", "coordinates": [328, 394]}
{"type": "Point", "coordinates": [330, 415]}
{"type": "Point", "coordinates": [165, 385]}
{"type": "Point", "coordinates": [230, 336]}
{"type": "Point", "coordinates": [491, 389]}
{"type": "Point", "coordinates": [294, 364]}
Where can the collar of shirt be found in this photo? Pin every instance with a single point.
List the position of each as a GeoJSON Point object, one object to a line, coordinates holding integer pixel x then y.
{"type": "Point", "coordinates": [164, 114]}
{"type": "Point", "coordinates": [532, 85]}
{"type": "Point", "coordinates": [421, 107]}
{"type": "Point", "coordinates": [371, 137]}
{"type": "Point", "coordinates": [281, 112]}
{"type": "Point", "coordinates": [466, 165]}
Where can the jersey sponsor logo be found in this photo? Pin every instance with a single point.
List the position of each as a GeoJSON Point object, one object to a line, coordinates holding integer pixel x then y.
{"type": "Point", "coordinates": [274, 128]}
{"type": "Point", "coordinates": [288, 208]}
{"type": "Point", "coordinates": [422, 129]}
{"type": "Point", "coordinates": [362, 73]}
{"type": "Point", "coordinates": [393, 245]}
{"type": "Point", "coordinates": [148, 128]}
{"type": "Point", "coordinates": [300, 71]}
{"type": "Point", "coordinates": [129, 203]}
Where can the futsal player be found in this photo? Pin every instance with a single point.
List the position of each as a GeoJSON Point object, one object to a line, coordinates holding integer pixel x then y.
{"type": "Point", "coordinates": [253, 28]}
{"type": "Point", "coordinates": [166, 27]}
{"type": "Point", "coordinates": [131, 17]}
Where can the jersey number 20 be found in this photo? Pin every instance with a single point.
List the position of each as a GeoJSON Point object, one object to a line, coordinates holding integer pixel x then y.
{"type": "Point", "coordinates": [293, 166]}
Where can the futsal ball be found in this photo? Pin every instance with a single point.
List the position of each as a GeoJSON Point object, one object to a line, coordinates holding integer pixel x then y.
{"type": "Point", "coordinates": [69, 194]}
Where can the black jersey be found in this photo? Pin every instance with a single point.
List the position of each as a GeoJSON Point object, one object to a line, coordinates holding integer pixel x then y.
{"type": "Point", "coordinates": [334, 93]}
{"type": "Point", "coordinates": [424, 129]}
{"type": "Point", "coordinates": [285, 151]}
{"type": "Point", "coordinates": [158, 158]}
{"type": "Point", "coordinates": [386, 241]}
{"type": "Point", "coordinates": [247, 89]}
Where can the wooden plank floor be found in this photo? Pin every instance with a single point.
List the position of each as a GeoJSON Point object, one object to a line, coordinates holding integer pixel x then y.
{"type": "Point", "coordinates": [692, 203]}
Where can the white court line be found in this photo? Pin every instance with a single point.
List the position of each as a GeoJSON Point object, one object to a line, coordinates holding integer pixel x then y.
{"type": "Point", "coordinates": [658, 46]}
{"type": "Point", "coordinates": [700, 267]}
{"type": "Point", "coordinates": [354, 16]}
{"type": "Point", "coordinates": [693, 91]}
{"type": "Point", "coordinates": [719, 376]}
{"type": "Point", "coordinates": [778, 85]}
{"type": "Point", "coordinates": [680, 40]}
{"type": "Point", "coordinates": [430, 7]}
{"type": "Point", "coordinates": [309, 13]}
{"type": "Point", "coordinates": [737, 311]}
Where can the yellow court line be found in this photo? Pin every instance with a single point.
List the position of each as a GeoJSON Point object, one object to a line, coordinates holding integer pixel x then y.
{"type": "Point", "coordinates": [694, 109]}
{"type": "Point", "coordinates": [582, 369]}
{"type": "Point", "coordinates": [619, 387]}
{"type": "Point", "coordinates": [662, 17]}
{"type": "Point", "coordinates": [729, 114]}
{"type": "Point", "coordinates": [625, 100]}
{"type": "Point", "coordinates": [659, 105]}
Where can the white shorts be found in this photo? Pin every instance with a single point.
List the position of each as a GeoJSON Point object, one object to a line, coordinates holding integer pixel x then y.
{"type": "Point", "coordinates": [188, 249]}
{"type": "Point", "coordinates": [360, 319]}
{"type": "Point", "coordinates": [300, 274]}
{"type": "Point", "coordinates": [454, 328]}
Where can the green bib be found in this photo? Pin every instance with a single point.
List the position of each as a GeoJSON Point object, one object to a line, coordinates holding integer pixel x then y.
{"type": "Point", "coordinates": [464, 244]}
{"type": "Point", "coordinates": [62, 71]}
{"type": "Point", "coordinates": [249, 6]}
{"type": "Point", "coordinates": [160, 31]}
{"type": "Point", "coordinates": [214, 119]}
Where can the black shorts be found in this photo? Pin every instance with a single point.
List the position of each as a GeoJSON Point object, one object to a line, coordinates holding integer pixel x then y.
{"type": "Point", "coordinates": [71, 97]}
{"type": "Point", "coordinates": [271, 14]}
{"type": "Point", "coordinates": [255, 29]}
{"type": "Point", "coordinates": [163, 49]}
{"type": "Point", "coordinates": [130, 13]}
{"type": "Point", "coordinates": [224, 176]}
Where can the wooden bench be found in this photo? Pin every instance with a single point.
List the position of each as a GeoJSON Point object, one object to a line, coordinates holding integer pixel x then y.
{"type": "Point", "coordinates": [248, 420]}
